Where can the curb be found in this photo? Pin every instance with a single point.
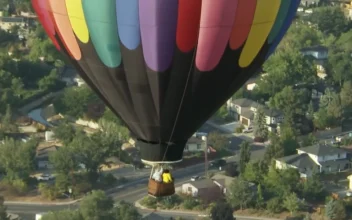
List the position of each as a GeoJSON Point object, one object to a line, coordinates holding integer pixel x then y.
{"type": "Point", "coordinates": [41, 203]}
{"type": "Point", "coordinates": [199, 214]}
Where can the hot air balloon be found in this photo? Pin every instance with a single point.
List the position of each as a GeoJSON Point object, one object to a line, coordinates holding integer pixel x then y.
{"type": "Point", "coordinates": [165, 66]}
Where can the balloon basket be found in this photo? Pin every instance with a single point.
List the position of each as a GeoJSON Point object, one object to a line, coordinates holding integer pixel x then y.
{"type": "Point", "coordinates": [160, 189]}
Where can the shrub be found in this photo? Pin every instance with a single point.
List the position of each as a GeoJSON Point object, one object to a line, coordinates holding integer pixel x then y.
{"type": "Point", "coordinates": [149, 202]}
{"type": "Point", "coordinates": [190, 203]}
{"type": "Point", "coordinates": [274, 205]}
{"type": "Point", "coordinates": [109, 180]}
{"type": "Point", "coordinates": [48, 191]}
{"type": "Point", "coordinates": [170, 202]}
{"type": "Point", "coordinates": [20, 186]}
{"type": "Point", "coordinates": [82, 187]}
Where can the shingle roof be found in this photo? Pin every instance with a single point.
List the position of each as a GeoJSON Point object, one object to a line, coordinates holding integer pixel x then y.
{"type": "Point", "coordinates": [243, 102]}
{"type": "Point", "coordinates": [248, 114]}
{"type": "Point", "coordinates": [322, 150]}
{"type": "Point", "coordinates": [315, 48]}
{"type": "Point", "coordinates": [298, 160]}
{"type": "Point", "coordinates": [202, 184]}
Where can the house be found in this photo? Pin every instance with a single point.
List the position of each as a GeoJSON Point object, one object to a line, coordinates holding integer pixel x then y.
{"type": "Point", "coordinates": [223, 181]}
{"type": "Point", "coordinates": [309, 3]}
{"type": "Point", "coordinates": [320, 55]}
{"type": "Point", "coordinates": [251, 83]}
{"type": "Point", "coordinates": [317, 158]}
{"type": "Point", "coordinates": [42, 156]}
{"type": "Point", "coordinates": [70, 76]}
{"type": "Point", "coordinates": [195, 144]}
{"type": "Point", "coordinates": [204, 189]}
{"type": "Point", "coordinates": [6, 23]}
{"type": "Point", "coordinates": [244, 110]}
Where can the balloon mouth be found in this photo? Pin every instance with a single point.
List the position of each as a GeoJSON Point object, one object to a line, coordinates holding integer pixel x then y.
{"type": "Point", "coordinates": [154, 163]}
{"type": "Point", "coordinates": [161, 153]}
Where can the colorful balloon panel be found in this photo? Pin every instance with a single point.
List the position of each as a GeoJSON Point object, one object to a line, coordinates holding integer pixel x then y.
{"type": "Point", "coordinates": [165, 66]}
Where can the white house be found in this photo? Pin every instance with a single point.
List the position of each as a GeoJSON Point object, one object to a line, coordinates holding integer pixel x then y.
{"type": "Point", "coordinates": [320, 55]}
{"type": "Point", "coordinates": [6, 23]}
{"type": "Point", "coordinates": [316, 158]}
{"type": "Point", "coordinates": [195, 144]}
{"type": "Point", "coordinates": [244, 110]}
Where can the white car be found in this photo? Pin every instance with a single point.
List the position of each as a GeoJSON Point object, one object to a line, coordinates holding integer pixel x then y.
{"type": "Point", "coordinates": [194, 178]}
{"type": "Point", "coordinates": [45, 177]}
{"type": "Point", "coordinates": [349, 194]}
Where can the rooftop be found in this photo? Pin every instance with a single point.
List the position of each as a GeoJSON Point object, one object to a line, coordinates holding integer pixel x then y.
{"type": "Point", "coordinates": [299, 160]}
{"type": "Point", "coordinates": [202, 184]}
{"type": "Point", "coordinates": [317, 48]}
{"type": "Point", "coordinates": [194, 140]}
{"type": "Point", "coordinates": [322, 150]}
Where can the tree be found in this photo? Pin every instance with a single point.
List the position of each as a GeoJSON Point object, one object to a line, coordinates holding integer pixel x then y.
{"type": "Point", "coordinates": [222, 211]}
{"type": "Point", "coordinates": [63, 215]}
{"type": "Point", "coordinates": [335, 210]}
{"type": "Point", "coordinates": [222, 113]}
{"type": "Point", "coordinates": [96, 206]}
{"type": "Point", "coordinates": [291, 203]}
{"type": "Point", "coordinates": [275, 148]}
{"type": "Point", "coordinates": [125, 210]}
{"type": "Point", "coordinates": [74, 101]}
{"type": "Point", "coordinates": [240, 193]}
{"type": "Point", "coordinates": [260, 198]}
{"type": "Point", "coordinates": [17, 158]}
{"type": "Point", "coordinates": [218, 141]}
{"type": "Point", "coordinates": [288, 140]}
{"type": "Point", "coordinates": [3, 213]}
{"type": "Point", "coordinates": [49, 82]}
{"type": "Point", "coordinates": [313, 189]}
{"type": "Point", "coordinates": [292, 102]}
{"type": "Point", "coordinates": [255, 172]}
{"type": "Point", "coordinates": [330, 20]}
{"type": "Point", "coordinates": [93, 151]}
{"type": "Point", "coordinates": [245, 155]}
{"type": "Point", "coordinates": [346, 98]}
{"type": "Point", "coordinates": [65, 132]}
{"type": "Point", "coordinates": [339, 66]}
{"type": "Point", "coordinates": [260, 129]}
{"type": "Point", "coordinates": [307, 217]}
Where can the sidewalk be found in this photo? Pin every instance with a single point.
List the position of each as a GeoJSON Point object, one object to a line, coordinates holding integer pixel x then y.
{"type": "Point", "coordinates": [198, 214]}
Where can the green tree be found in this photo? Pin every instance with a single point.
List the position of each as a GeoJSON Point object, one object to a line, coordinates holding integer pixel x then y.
{"type": "Point", "coordinates": [3, 213]}
{"type": "Point", "coordinates": [96, 206]}
{"type": "Point", "coordinates": [218, 141]}
{"type": "Point", "coordinates": [17, 158]}
{"type": "Point", "coordinates": [335, 210]}
{"type": "Point", "coordinates": [291, 203]}
{"type": "Point", "coordinates": [339, 66]}
{"type": "Point", "coordinates": [93, 151]}
{"type": "Point", "coordinates": [275, 149]}
{"type": "Point", "coordinates": [74, 101]}
{"type": "Point", "coordinates": [50, 81]}
{"type": "Point", "coordinates": [330, 20]}
{"type": "Point", "coordinates": [125, 210]}
{"type": "Point", "coordinates": [63, 215]}
{"type": "Point", "coordinates": [65, 132]}
{"type": "Point", "coordinates": [240, 194]}
{"type": "Point", "coordinates": [255, 172]}
{"type": "Point", "coordinates": [222, 211]}
{"type": "Point", "coordinates": [313, 189]}
{"type": "Point", "coordinates": [260, 128]}
{"type": "Point", "coordinates": [111, 117]}
{"type": "Point", "coordinates": [288, 140]}
{"type": "Point", "coordinates": [245, 155]}
{"type": "Point", "coordinates": [260, 198]}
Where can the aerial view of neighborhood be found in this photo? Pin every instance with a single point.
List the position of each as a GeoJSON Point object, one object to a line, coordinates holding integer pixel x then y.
{"type": "Point", "coordinates": [280, 148]}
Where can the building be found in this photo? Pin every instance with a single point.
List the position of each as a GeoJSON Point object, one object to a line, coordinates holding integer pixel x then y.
{"type": "Point", "coordinates": [244, 110]}
{"type": "Point", "coordinates": [6, 23]}
{"type": "Point", "coordinates": [320, 56]}
{"type": "Point", "coordinates": [251, 83]}
{"type": "Point", "coordinates": [42, 156]}
{"type": "Point", "coordinates": [309, 3]}
{"type": "Point", "coordinates": [195, 144]}
{"type": "Point", "coordinates": [204, 189]}
{"type": "Point", "coordinates": [317, 158]}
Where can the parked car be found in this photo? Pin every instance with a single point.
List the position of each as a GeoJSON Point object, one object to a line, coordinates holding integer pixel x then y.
{"type": "Point", "coordinates": [45, 177]}
{"type": "Point", "coordinates": [349, 194]}
{"type": "Point", "coordinates": [194, 178]}
{"type": "Point", "coordinates": [248, 130]}
{"type": "Point", "coordinates": [218, 163]}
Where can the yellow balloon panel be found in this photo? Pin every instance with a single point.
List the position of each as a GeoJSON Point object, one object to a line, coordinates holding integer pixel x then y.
{"type": "Point", "coordinates": [264, 18]}
{"type": "Point", "coordinates": [77, 19]}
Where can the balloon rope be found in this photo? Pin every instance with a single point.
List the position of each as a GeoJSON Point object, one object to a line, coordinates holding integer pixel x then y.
{"type": "Point", "coordinates": [182, 99]}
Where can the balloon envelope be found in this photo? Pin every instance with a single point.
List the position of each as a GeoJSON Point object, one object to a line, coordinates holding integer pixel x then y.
{"type": "Point", "coordinates": [165, 66]}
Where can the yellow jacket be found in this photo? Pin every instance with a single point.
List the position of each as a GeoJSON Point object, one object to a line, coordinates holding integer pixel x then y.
{"type": "Point", "coordinates": [167, 178]}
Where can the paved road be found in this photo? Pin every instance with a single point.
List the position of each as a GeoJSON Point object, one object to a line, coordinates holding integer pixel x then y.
{"type": "Point", "coordinates": [130, 193]}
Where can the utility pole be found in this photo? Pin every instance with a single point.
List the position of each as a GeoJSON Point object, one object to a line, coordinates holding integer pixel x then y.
{"type": "Point", "coordinates": [205, 139]}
